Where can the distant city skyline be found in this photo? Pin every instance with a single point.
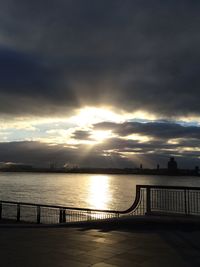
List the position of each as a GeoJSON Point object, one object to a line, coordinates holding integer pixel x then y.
{"type": "Point", "coordinates": [100, 83]}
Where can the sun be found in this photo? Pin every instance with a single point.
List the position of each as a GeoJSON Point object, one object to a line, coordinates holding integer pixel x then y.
{"type": "Point", "coordinates": [85, 119]}
{"type": "Point", "coordinates": [90, 115]}
{"type": "Point", "coordinates": [100, 136]}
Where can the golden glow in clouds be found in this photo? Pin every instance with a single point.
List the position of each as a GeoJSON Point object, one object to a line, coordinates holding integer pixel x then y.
{"type": "Point", "coordinates": [100, 136]}
{"type": "Point", "coordinates": [91, 115]}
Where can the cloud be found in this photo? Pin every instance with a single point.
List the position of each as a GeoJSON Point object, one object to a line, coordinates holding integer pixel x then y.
{"type": "Point", "coordinates": [60, 55]}
{"type": "Point", "coordinates": [127, 145]}
{"type": "Point", "coordinates": [40, 154]}
{"type": "Point", "coordinates": [158, 130]}
{"type": "Point", "coordinates": [116, 154]}
{"type": "Point", "coordinates": [131, 57]}
{"type": "Point", "coordinates": [82, 135]}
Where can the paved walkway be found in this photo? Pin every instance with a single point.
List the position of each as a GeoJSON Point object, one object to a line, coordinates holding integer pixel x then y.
{"type": "Point", "coordinates": [102, 247]}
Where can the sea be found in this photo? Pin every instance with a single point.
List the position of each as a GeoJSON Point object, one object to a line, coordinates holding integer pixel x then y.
{"type": "Point", "coordinates": [81, 190]}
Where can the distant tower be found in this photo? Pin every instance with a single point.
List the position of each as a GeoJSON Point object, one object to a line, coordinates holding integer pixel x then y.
{"type": "Point", "coordinates": [141, 167]}
{"type": "Point", "coordinates": [172, 164]}
{"type": "Point", "coordinates": [158, 167]}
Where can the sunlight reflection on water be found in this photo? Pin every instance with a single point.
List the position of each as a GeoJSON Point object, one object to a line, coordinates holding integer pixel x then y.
{"type": "Point", "coordinates": [99, 191]}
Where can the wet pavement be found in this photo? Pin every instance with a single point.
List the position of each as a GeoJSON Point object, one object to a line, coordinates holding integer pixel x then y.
{"type": "Point", "coordinates": [99, 247]}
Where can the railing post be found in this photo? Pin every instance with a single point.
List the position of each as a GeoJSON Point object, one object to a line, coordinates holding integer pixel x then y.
{"type": "Point", "coordinates": [148, 201]}
{"type": "Point", "coordinates": [61, 216]}
{"type": "Point", "coordinates": [38, 214]}
{"type": "Point", "coordinates": [186, 200]}
{"type": "Point", "coordinates": [64, 216]}
{"type": "Point", "coordinates": [0, 210]}
{"type": "Point", "coordinates": [18, 212]}
{"type": "Point", "coordinates": [89, 218]}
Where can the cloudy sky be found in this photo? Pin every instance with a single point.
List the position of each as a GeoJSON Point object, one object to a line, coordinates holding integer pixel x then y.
{"type": "Point", "coordinates": [104, 83]}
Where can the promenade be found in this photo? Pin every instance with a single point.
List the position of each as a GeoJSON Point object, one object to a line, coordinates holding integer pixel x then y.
{"type": "Point", "coordinates": [102, 245]}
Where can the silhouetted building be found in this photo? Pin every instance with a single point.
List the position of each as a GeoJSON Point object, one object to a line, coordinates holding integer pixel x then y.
{"type": "Point", "coordinates": [158, 166]}
{"type": "Point", "coordinates": [172, 165]}
{"type": "Point", "coordinates": [141, 167]}
{"type": "Point", "coordinates": [197, 170]}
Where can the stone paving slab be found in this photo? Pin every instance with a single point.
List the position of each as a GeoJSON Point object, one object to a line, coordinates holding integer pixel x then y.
{"type": "Point", "coordinates": [81, 247]}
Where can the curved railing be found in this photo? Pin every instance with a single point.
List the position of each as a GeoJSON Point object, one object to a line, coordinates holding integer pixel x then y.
{"type": "Point", "coordinates": [149, 200]}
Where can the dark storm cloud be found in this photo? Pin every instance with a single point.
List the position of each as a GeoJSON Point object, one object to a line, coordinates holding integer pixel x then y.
{"type": "Point", "coordinates": [39, 154]}
{"type": "Point", "coordinates": [152, 151]}
{"type": "Point", "coordinates": [27, 83]}
{"type": "Point", "coordinates": [166, 136]}
{"type": "Point", "coordinates": [130, 54]}
{"type": "Point", "coordinates": [108, 155]}
{"type": "Point", "coordinates": [33, 152]}
{"type": "Point", "coordinates": [159, 130]}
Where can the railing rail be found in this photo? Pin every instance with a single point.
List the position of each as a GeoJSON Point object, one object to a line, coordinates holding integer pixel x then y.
{"type": "Point", "coordinates": [149, 200]}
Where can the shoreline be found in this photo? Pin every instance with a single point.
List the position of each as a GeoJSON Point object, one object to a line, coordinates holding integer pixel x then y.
{"type": "Point", "coordinates": [110, 172]}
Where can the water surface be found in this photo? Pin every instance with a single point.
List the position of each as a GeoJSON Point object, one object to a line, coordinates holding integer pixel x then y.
{"type": "Point", "coordinates": [81, 190]}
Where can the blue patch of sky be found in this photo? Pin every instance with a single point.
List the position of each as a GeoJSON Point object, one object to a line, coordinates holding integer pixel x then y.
{"type": "Point", "coordinates": [139, 120]}
{"type": "Point", "coordinates": [41, 131]}
{"type": "Point", "coordinates": [54, 126]}
{"type": "Point", "coordinates": [183, 123]}
{"type": "Point", "coordinates": [191, 123]}
{"type": "Point", "coordinates": [21, 135]}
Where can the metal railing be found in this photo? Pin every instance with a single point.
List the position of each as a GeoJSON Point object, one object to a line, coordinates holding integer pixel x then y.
{"type": "Point", "coordinates": [149, 200]}
{"type": "Point", "coordinates": [173, 200]}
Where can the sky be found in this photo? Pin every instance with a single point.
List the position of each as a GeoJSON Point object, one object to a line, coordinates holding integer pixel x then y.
{"type": "Point", "coordinates": [104, 83]}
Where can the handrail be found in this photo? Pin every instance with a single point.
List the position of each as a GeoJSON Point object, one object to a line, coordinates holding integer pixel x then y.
{"type": "Point", "coordinates": [130, 209]}
{"type": "Point", "coordinates": [149, 199]}
{"type": "Point", "coordinates": [56, 206]}
{"type": "Point", "coordinates": [169, 187]}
